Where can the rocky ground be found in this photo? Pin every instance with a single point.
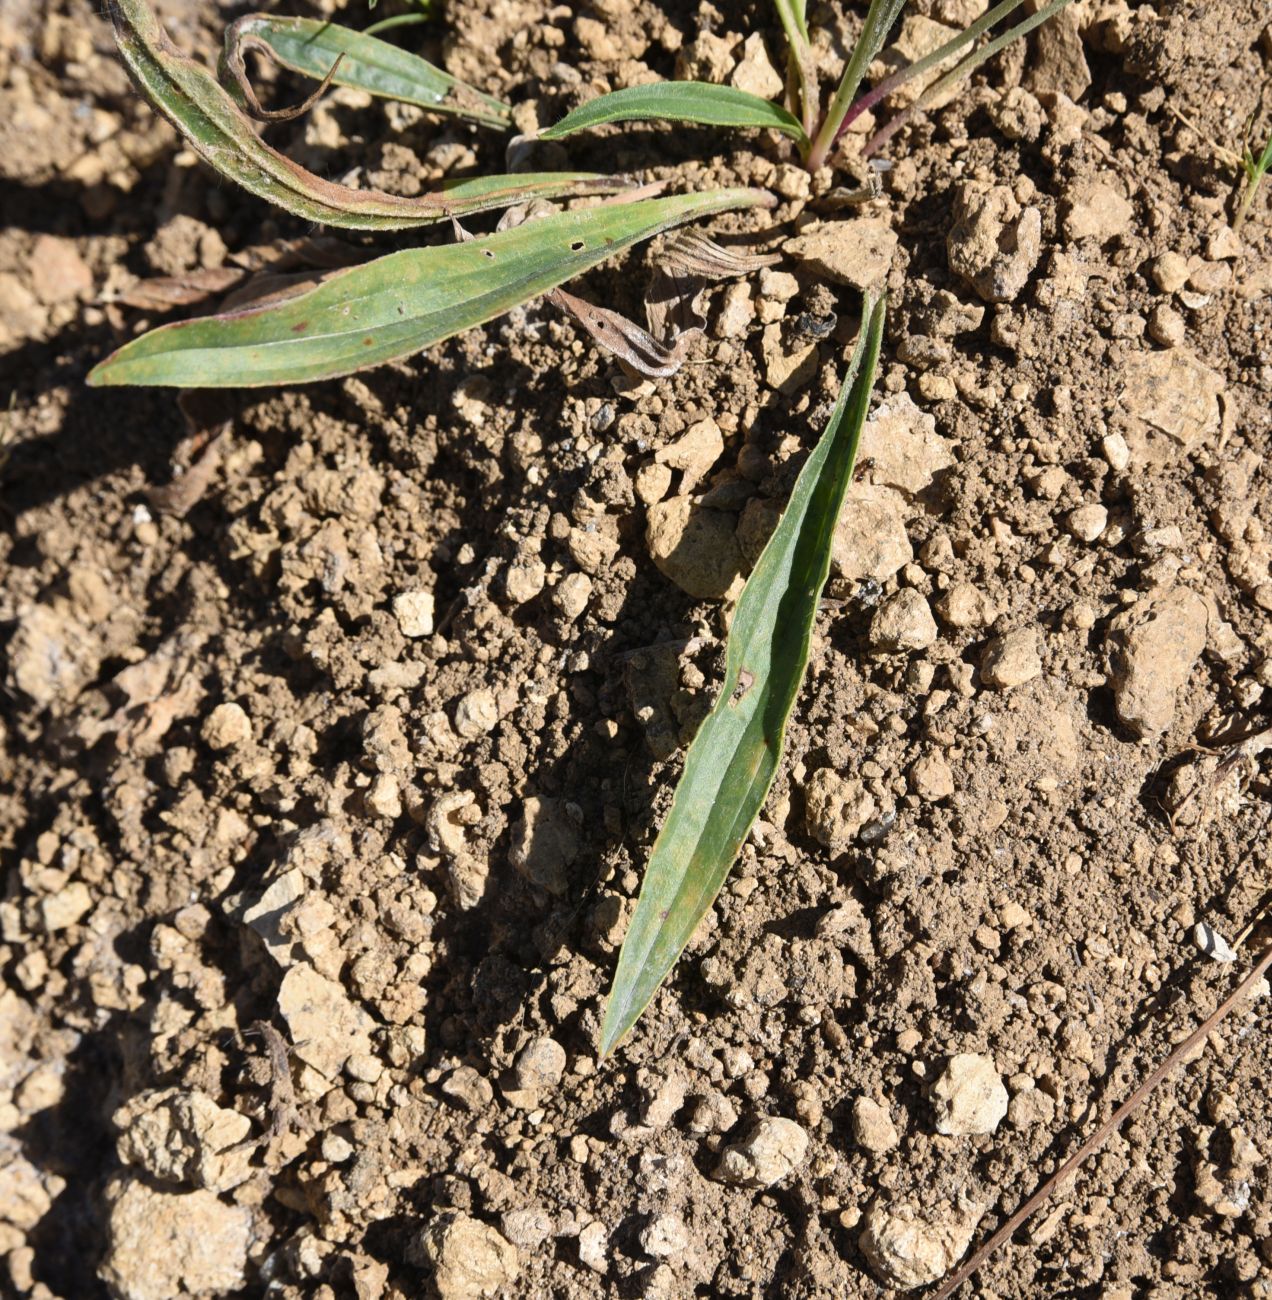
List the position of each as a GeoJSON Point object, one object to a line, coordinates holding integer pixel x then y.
{"type": "Point", "coordinates": [337, 722]}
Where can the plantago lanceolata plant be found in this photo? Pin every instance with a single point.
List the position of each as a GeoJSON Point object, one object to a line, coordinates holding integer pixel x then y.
{"type": "Point", "coordinates": [405, 301]}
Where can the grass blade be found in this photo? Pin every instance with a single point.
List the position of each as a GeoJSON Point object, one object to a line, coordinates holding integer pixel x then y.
{"type": "Point", "coordinates": [733, 758]}
{"type": "Point", "coordinates": [963, 69]}
{"type": "Point", "coordinates": [206, 114]}
{"type": "Point", "coordinates": [311, 48]}
{"type": "Point", "coordinates": [399, 304]}
{"type": "Point", "coordinates": [700, 102]}
{"type": "Point", "coordinates": [903, 76]}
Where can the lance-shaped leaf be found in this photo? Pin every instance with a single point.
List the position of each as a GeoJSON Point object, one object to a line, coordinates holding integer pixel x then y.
{"type": "Point", "coordinates": [679, 101]}
{"type": "Point", "coordinates": [192, 99]}
{"type": "Point", "coordinates": [401, 303]}
{"type": "Point", "coordinates": [312, 48]}
{"type": "Point", "coordinates": [733, 758]}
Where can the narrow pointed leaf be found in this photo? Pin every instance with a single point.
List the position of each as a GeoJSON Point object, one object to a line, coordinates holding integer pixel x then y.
{"type": "Point", "coordinates": [192, 99]}
{"type": "Point", "coordinates": [699, 102]}
{"type": "Point", "coordinates": [398, 304]}
{"type": "Point", "coordinates": [733, 758]}
{"type": "Point", "coordinates": [961, 71]}
{"type": "Point", "coordinates": [310, 47]}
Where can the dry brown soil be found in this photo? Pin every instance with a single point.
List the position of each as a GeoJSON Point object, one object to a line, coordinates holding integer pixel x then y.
{"type": "Point", "coordinates": [308, 910]}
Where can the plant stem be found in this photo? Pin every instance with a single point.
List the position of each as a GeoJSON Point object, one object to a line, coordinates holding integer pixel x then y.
{"type": "Point", "coordinates": [879, 19]}
{"type": "Point", "coordinates": [791, 12]}
{"type": "Point", "coordinates": [1254, 178]}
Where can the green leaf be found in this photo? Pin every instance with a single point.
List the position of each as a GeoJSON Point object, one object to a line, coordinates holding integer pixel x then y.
{"type": "Point", "coordinates": [679, 101]}
{"type": "Point", "coordinates": [192, 99]}
{"type": "Point", "coordinates": [401, 303]}
{"type": "Point", "coordinates": [310, 47]}
{"type": "Point", "coordinates": [964, 68]}
{"type": "Point", "coordinates": [733, 758]}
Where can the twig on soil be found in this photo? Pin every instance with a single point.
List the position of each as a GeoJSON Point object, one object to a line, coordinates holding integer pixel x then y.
{"type": "Point", "coordinates": [282, 1099]}
{"type": "Point", "coordinates": [1110, 1126]}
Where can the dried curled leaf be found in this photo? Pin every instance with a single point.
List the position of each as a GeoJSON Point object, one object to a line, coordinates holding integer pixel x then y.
{"type": "Point", "coordinates": [620, 335]}
{"type": "Point", "coordinates": [206, 114]}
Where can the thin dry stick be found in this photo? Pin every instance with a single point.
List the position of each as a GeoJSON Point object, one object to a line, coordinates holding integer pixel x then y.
{"type": "Point", "coordinates": [1110, 1125]}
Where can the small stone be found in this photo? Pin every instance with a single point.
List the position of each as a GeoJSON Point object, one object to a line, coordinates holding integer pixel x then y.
{"type": "Point", "coordinates": [1212, 943]}
{"type": "Point", "coordinates": [1086, 523]}
{"type": "Point", "coordinates": [63, 909]}
{"type": "Point", "coordinates": [836, 808]}
{"type": "Point", "coordinates": [770, 1151]}
{"type": "Point", "coordinates": [571, 595]}
{"type": "Point", "coordinates": [1059, 63]}
{"type": "Point", "coordinates": [855, 252]}
{"type": "Point", "coordinates": [58, 272]}
{"type": "Point", "coordinates": [903, 622]}
{"type": "Point", "coordinates": [468, 1088]}
{"type": "Point", "coordinates": [870, 539]}
{"type": "Point", "coordinates": [1166, 326]}
{"type": "Point", "coordinates": [755, 73]}
{"type": "Point", "coordinates": [872, 1126]}
{"type": "Point", "coordinates": [696, 548]}
{"type": "Point", "coordinates": [693, 453]}
{"type": "Point", "coordinates": [472, 400]}
{"type": "Point", "coordinates": [931, 778]}
{"type": "Point", "coordinates": [414, 613]}
{"type": "Point", "coordinates": [737, 311]}
{"type": "Point", "coordinates": [1223, 244]}
{"type": "Point", "coordinates": [539, 1064]}
{"type": "Point", "coordinates": [901, 449]}
{"type": "Point", "coordinates": [383, 798]}
{"type": "Point", "coordinates": [476, 713]}
{"type": "Point", "coordinates": [164, 1244]}
{"type": "Point", "coordinates": [183, 1137]}
{"type": "Point", "coordinates": [323, 1023]}
{"type": "Point", "coordinates": [523, 580]}
{"type": "Point", "coordinates": [664, 1237]}
{"type": "Point", "coordinates": [1209, 278]}
{"type": "Point", "coordinates": [528, 1228]}
{"type": "Point", "coordinates": [1117, 454]}
{"type": "Point", "coordinates": [470, 1260]}
{"type": "Point", "coordinates": [594, 1247]}
{"type": "Point", "coordinates": [789, 362]}
{"type": "Point", "coordinates": [227, 727]}
{"type": "Point", "coordinates": [1170, 272]}
{"type": "Point", "coordinates": [1152, 649]}
{"type": "Point", "coordinates": [1018, 114]}
{"type": "Point", "coordinates": [1011, 660]}
{"type": "Point", "coordinates": [910, 1247]}
{"type": "Point", "coordinates": [964, 605]}
{"type": "Point", "coordinates": [1097, 210]}
{"type": "Point", "coordinates": [664, 1096]}
{"type": "Point", "coordinates": [544, 843]}
{"type": "Point", "coordinates": [993, 243]}
{"type": "Point", "coordinates": [652, 482]}
{"type": "Point", "coordinates": [969, 1097]}
{"type": "Point", "coordinates": [51, 656]}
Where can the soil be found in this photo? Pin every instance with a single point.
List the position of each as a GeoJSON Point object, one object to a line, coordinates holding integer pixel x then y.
{"type": "Point", "coordinates": [338, 721]}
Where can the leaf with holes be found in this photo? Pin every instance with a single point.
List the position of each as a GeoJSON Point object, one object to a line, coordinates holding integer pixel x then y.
{"type": "Point", "coordinates": [733, 758]}
{"type": "Point", "coordinates": [401, 303]}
